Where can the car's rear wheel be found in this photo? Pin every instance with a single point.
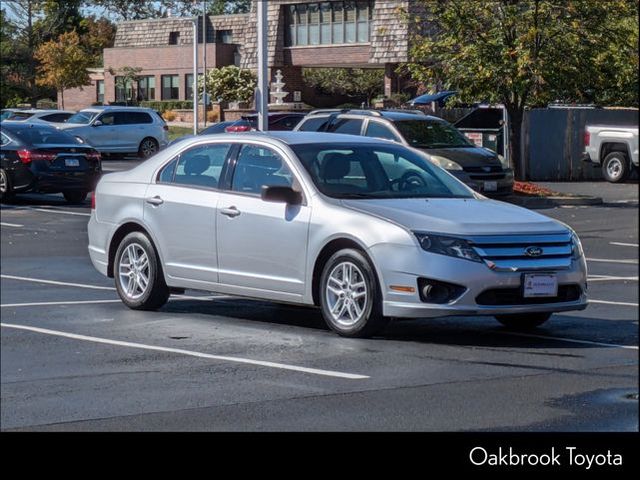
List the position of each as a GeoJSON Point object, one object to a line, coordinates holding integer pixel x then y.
{"type": "Point", "coordinates": [138, 274]}
{"type": "Point", "coordinates": [615, 168]}
{"type": "Point", "coordinates": [6, 192]}
{"type": "Point", "coordinates": [75, 196]}
{"type": "Point", "coordinates": [148, 147]}
{"type": "Point", "coordinates": [350, 298]}
{"type": "Point", "coordinates": [526, 321]}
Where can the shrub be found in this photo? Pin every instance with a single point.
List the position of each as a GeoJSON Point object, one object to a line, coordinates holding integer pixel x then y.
{"type": "Point", "coordinates": [169, 115]}
{"type": "Point", "coordinates": [213, 117]}
{"type": "Point", "coordinates": [231, 84]}
{"type": "Point", "coordinates": [164, 105]}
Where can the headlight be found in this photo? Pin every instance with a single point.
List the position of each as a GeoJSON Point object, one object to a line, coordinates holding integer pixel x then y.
{"type": "Point", "coordinates": [453, 247]}
{"type": "Point", "coordinates": [445, 163]}
{"type": "Point", "coordinates": [576, 247]}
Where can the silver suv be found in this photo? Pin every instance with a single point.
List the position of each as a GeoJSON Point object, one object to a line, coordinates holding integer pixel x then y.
{"type": "Point", "coordinates": [479, 168]}
{"type": "Point", "coordinates": [120, 130]}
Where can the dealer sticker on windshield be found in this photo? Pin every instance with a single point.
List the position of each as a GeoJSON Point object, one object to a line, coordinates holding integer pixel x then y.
{"type": "Point", "coordinates": [540, 285]}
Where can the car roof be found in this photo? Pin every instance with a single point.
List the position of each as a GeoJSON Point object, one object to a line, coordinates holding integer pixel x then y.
{"type": "Point", "coordinates": [392, 115]}
{"type": "Point", "coordinates": [104, 108]}
{"type": "Point", "coordinates": [301, 138]}
{"type": "Point", "coordinates": [42, 110]}
{"type": "Point", "coordinates": [28, 124]}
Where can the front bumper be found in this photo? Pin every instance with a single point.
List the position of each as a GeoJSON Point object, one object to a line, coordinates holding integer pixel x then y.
{"type": "Point", "coordinates": [403, 265]}
{"type": "Point", "coordinates": [478, 181]}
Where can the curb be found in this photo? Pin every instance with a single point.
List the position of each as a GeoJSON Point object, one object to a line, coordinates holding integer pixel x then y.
{"type": "Point", "coordinates": [550, 202]}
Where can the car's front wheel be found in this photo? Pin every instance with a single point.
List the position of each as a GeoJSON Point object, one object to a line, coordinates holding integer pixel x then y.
{"type": "Point", "coordinates": [350, 298]}
{"type": "Point", "coordinates": [138, 274]}
{"type": "Point", "coordinates": [525, 321]}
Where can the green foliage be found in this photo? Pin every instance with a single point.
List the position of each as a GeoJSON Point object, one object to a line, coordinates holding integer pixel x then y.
{"type": "Point", "coordinates": [231, 84]}
{"type": "Point", "coordinates": [164, 105]}
{"type": "Point", "coordinates": [529, 53]}
{"type": "Point", "coordinates": [229, 7]}
{"type": "Point", "coordinates": [360, 83]}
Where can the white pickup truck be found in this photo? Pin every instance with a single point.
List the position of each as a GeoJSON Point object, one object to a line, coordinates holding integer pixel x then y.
{"type": "Point", "coordinates": [614, 149]}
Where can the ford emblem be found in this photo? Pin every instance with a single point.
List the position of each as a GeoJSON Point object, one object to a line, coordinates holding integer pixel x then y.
{"type": "Point", "coordinates": [486, 169]}
{"type": "Point", "coordinates": [533, 251]}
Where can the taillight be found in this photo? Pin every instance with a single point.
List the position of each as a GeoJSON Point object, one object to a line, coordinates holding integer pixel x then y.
{"type": "Point", "coordinates": [237, 128]}
{"type": "Point", "coordinates": [28, 156]}
{"type": "Point", "coordinates": [93, 200]}
{"type": "Point", "coordinates": [166, 127]}
{"type": "Point", "coordinates": [587, 138]}
{"type": "Point", "coordinates": [94, 155]}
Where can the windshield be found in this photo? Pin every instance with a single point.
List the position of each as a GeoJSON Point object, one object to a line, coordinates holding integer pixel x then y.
{"type": "Point", "coordinates": [431, 134]}
{"type": "Point", "coordinates": [83, 118]}
{"type": "Point", "coordinates": [376, 171]}
{"type": "Point", "coordinates": [32, 135]}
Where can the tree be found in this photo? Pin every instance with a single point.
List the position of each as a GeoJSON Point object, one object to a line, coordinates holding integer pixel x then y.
{"type": "Point", "coordinates": [63, 63]}
{"type": "Point", "coordinates": [231, 84]}
{"type": "Point", "coordinates": [131, 10]}
{"type": "Point", "coordinates": [528, 53]}
{"type": "Point", "coordinates": [228, 7]}
{"type": "Point", "coordinates": [126, 78]}
{"type": "Point", "coordinates": [358, 83]}
{"type": "Point", "coordinates": [100, 33]}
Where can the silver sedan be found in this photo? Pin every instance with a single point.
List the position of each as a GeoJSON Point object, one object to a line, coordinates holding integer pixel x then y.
{"type": "Point", "coordinates": [366, 230]}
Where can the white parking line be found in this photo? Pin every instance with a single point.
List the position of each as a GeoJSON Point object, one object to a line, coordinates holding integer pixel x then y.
{"type": "Point", "coordinates": [607, 302]}
{"type": "Point", "coordinates": [46, 304]}
{"type": "Point", "coordinates": [281, 366]}
{"type": "Point", "coordinates": [609, 278]}
{"type": "Point", "coordinates": [609, 260]}
{"type": "Point", "coordinates": [625, 244]}
{"type": "Point", "coordinates": [64, 212]}
{"type": "Point", "coordinates": [571, 340]}
{"type": "Point", "coordinates": [5, 224]}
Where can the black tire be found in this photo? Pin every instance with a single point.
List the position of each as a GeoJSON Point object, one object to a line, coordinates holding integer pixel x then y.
{"type": "Point", "coordinates": [526, 321]}
{"type": "Point", "coordinates": [156, 292]}
{"type": "Point", "coordinates": [615, 168]}
{"type": "Point", "coordinates": [75, 197]}
{"type": "Point", "coordinates": [370, 321]}
{"type": "Point", "coordinates": [148, 148]}
{"type": "Point", "coordinates": [6, 189]}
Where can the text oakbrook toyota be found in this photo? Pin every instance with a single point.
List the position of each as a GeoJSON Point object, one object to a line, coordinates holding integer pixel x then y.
{"type": "Point", "coordinates": [365, 229]}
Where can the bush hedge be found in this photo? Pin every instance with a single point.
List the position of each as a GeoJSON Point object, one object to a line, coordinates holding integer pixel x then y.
{"type": "Point", "coordinates": [164, 105]}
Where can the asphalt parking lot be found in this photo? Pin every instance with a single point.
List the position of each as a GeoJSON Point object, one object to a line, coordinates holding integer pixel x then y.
{"type": "Point", "coordinates": [73, 357]}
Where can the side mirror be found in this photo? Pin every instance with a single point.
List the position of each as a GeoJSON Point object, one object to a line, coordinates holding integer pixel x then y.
{"type": "Point", "coordinates": [97, 123]}
{"type": "Point", "coordinates": [281, 195]}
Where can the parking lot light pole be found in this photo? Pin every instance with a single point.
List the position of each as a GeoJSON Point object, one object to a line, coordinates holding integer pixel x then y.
{"type": "Point", "coordinates": [261, 91]}
{"type": "Point", "coordinates": [195, 75]}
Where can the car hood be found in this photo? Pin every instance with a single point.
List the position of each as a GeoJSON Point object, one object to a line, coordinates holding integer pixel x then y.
{"type": "Point", "coordinates": [466, 156]}
{"type": "Point", "coordinates": [458, 216]}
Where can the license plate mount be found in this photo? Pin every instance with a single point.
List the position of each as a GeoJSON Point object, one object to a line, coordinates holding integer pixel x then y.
{"type": "Point", "coordinates": [491, 186]}
{"type": "Point", "coordinates": [537, 285]}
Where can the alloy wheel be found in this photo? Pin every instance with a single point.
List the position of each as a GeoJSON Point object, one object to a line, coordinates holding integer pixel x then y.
{"type": "Point", "coordinates": [614, 168]}
{"type": "Point", "coordinates": [3, 182]}
{"type": "Point", "coordinates": [148, 148]}
{"type": "Point", "coordinates": [134, 271]}
{"type": "Point", "coordinates": [346, 294]}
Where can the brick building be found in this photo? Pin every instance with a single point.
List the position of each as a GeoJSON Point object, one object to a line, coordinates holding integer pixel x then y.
{"type": "Point", "coordinates": [302, 34]}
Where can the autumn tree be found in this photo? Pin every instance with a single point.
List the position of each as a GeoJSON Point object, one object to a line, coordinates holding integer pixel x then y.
{"type": "Point", "coordinates": [361, 83]}
{"type": "Point", "coordinates": [63, 63]}
{"type": "Point", "coordinates": [524, 53]}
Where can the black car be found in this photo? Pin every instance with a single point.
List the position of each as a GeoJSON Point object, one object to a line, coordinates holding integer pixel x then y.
{"type": "Point", "coordinates": [35, 157]}
{"type": "Point", "coordinates": [478, 167]}
{"type": "Point", "coordinates": [278, 121]}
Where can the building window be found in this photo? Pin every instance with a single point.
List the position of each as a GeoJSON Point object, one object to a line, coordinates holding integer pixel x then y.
{"type": "Point", "coordinates": [147, 88]}
{"type": "Point", "coordinates": [124, 89]}
{"type": "Point", "coordinates": [173, 38]}
{"type": "Point", "coordinates": [188, 83]}
{"type": "Point", "coordinates": [100, 91]}
{"type": "Point", "coordinates": [224, 36]}
{"type": "Point", "coordinates": [170, 87]}
{"type": "Point", "coordinates": [326, 23]}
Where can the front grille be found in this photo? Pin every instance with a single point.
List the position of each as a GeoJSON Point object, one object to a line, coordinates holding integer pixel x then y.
{"type": "Point", "coordinates": [513, 296]}
{"type": "Point", "coordinates": [524, 252]}
{"type": "Point", "coordinates": [488, 176]}
{"type": "Point", "coordinates": [487, 169]}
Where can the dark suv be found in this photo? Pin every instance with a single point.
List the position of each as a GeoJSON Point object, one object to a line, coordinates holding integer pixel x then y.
{"type": "Point", "coordinates": [479, 168]}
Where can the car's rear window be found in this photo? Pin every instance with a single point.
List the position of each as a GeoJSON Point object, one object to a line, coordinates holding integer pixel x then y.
{"type": "Point", "coordinates": [32, 135]}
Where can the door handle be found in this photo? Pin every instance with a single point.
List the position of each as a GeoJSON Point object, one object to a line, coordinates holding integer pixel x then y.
{"type": "Point", "coordinates": [155, 200]}
{"type": "Point", "coordinates": [230, 212]}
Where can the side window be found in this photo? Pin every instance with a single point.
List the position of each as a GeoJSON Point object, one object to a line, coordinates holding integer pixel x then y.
{"type": "Point", "coordinates": [201, 166]}
{"type": "Point", "coordinates": [349, 126]}
{"type": "Point", "coordinates": [108, 119]}
{"type": "Point", "coordinates": [139, 118]}
{"type": "Point", "coordinates": [287, 123]}
{"type": "Point", "coordinates": [316, 124]}
{"type": "Point", "coordinates": [378, 130]}
{"type": "Point", "coordinates": [166, 174]}
{"type": "Point", "coordinates": [123, 118]}
{"type": "Point", "coordinates": [4, 140]}
{"type": "Point", "coordinates": [257, 166]}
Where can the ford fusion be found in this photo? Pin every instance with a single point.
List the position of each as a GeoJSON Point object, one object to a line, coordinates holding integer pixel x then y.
{"type": "Point", "coordinates": [364, 229]}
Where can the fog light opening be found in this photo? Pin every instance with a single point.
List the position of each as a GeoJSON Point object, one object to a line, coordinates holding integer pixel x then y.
{"type": "Point", "coordinates": [434, 291]}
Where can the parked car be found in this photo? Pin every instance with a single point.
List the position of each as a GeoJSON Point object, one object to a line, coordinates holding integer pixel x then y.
{"type": "Point", "coordinates": [40, 158]}
{"type": "Point", "coordinates": [140, 131]}
{"type": "Point", "coordinates": [479, 168]}
{"type": "Point", "coordinates": [612, 148]}
{"type": "Point", "coordinates": [5, 113]}
{"type": "Point", "coordinates": [365, 229]}
{"type": "Point", "coordinates": [38, 115]}
{"type": "Point", "coordinates": [278, 121]}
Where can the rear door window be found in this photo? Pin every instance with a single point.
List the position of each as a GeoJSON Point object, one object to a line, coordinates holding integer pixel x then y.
{"type": "Point", "coordinates": [379, 130]}
{"type": "Point", "coordinates": [314, 124]}
{"type": "Point", "coordinates": [201, 166]}
{"type": "Point", "coordinates": [348, 126]}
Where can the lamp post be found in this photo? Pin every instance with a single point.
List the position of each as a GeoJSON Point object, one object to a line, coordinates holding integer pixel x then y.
{"type": "Point", "coordinates": [204, 62]}
{"type": "Point", "coordinates": [261, 91]}
{"type": "Point", "coordinates": [195, 75]}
